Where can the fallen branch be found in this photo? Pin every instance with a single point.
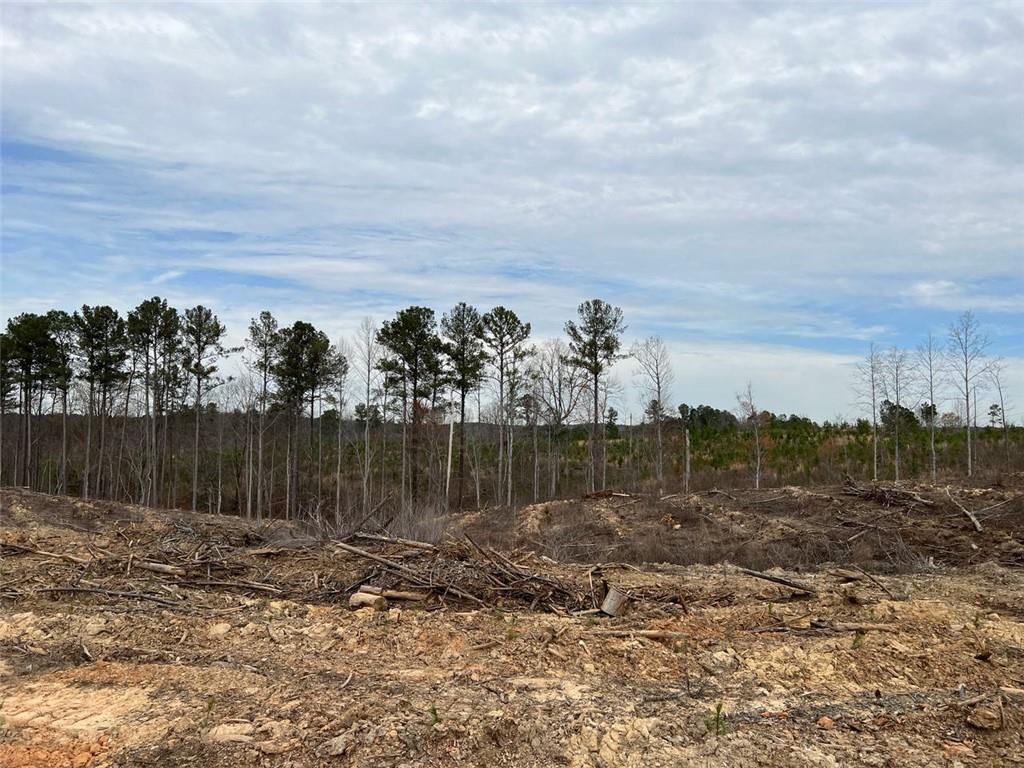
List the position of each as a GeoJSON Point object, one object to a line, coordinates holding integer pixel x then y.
{"type": "Point", "coordinates": [650, 634]}
{"type": "Point", "coordinates": [29, 550]}
{"type": "Point", "coordinates": [799, 586]}
{"type": "Point", "coordinates": [253, 585]}
{"type": "Point", "coordinates": [765, 501]}
{"type": "Point", "coordinates": [109, 593]}
{"type": "Point", "coordinates": [395, 540]}
{"type": "Point", "coordinates": [843, 626]}
{"type": "Point", "coordinates": [965, 510]}
{"type": "Point", "coordinates": [172, 570]}
{"type": "Point", "coordinates": [876, 582]}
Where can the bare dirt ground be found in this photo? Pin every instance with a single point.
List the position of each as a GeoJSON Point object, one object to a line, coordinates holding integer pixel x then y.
{"type": "Point", "coordinates": [132, 637]}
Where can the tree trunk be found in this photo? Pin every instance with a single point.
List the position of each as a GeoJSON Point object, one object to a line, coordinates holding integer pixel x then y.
{"type": "Point", "coordinates": [686, 476]}
{"type": "Point", "coordinates": [104, 394]}
{"type": "Point", "coordinates": [593, 439]}
{"type": "Point", "coordinates": [462, 447]}
{"type": "Point", "coordinates": [511, 443]}
{"type": "Point", "coordinates": [88, 443]}
{"type": "Point", "coordinates": [288, 475]}
{"type": "Point", "coordinates": [337, 472]}
{"type": "Point", "coordinates": [63, 442]}
{"type": "Point", "coordinates": [195, 445]}
{"type": "Point", "coordinates": [124, 430]}
{"type": "Point", "coordinates": [536, 465]}
{"type": "Point", "coordinates": [967, 409]}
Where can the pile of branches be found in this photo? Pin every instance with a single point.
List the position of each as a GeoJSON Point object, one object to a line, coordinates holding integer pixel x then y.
{"type": "Point", "coordinates": [887, 496]}
{"type": "Point", "coordinates": [464, 571]}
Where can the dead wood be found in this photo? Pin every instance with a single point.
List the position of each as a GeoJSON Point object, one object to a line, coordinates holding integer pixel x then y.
{"type": "Point", "coordinates": [799, 586]}
{"type": "Point", "coordinates": [367, 600]}
{"type": "Point", "coordinates": [885, 495]}
{"type": "Point", "coordinates": [966, 511]}
{"type": "Point", "coordinates": [650, 634]}
{"type": "Point", "coordinates": [171, 570]}
{"type": "Point", "coordinates": [411, 575]}
{"type": "Point", "coordinates": [395, 540]}
{"type": "Point", "coordinates": [109, 593]}
{"type": "Point", "coordinates": [394, 594]}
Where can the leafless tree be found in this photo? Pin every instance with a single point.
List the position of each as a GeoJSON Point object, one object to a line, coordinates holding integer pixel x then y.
{"type": "Point", "coordinates": [750, 413]}
{"type": "Point", "coordinates": [928, 370]}
{"type": "Point", "coordinates": [895, 376]}
{"type": "Point", "coordinates": [367, 355]}
{"type": "Point", "coordinates": [560, 387]}
{"type": "Point", "coordinates": [996, 375]}
{"type": "Point", "coordinates": [968, 346]}
{"type": "Point", "coordinates": [868, 388]}
{"type": "Point", "coordinates": [654, 374]}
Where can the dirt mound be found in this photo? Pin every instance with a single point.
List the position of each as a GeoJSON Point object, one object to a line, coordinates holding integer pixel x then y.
{"type": "Point", "coordinates": [259, 661]}
{"type": "Point", "coordinates": [788, 527]}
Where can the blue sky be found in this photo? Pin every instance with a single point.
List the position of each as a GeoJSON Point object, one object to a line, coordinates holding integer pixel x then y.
{"type": "Point", "coordinates": [769, 187]}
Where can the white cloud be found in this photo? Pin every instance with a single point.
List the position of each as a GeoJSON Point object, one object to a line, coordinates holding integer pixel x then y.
{"type": "Point", "coordinates": [766, 176]}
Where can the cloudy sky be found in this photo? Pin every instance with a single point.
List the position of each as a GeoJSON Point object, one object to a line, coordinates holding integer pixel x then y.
{"type": "Point", "coordinates": [769, 187]}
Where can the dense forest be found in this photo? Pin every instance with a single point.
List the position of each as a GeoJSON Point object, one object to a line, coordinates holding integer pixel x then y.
{"type": "Point", "coordinates": [421, 414]}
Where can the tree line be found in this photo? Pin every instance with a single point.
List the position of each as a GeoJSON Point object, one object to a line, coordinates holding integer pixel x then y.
{"type": "Point", "coordinates": [903, 389]}
{"type": "Point", "coordinates": [417, 413]}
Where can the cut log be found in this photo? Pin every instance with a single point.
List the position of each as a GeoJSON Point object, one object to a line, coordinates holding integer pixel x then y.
{"type": "Point", "coordinates": [173, 570]}
{"type": "Point", "coordinates": [394, 594]}
{"type": "Point", "coordinates": [615, 602]}
{"type": "Point", "coordinates": [366, 600]}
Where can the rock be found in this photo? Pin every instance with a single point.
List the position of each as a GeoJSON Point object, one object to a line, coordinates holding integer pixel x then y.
{"type": "Point", "coordinates": [229, 733]}
{"type": "Point", "coordinates": [274, 747]}
{"type": "Point", "coordinates": [336, 747]}
{"type": "Point", "coordinates": [986, 717]}
{"type": "Point", "coordinates": [953, 750]}
{"type": "Point", "coordinates": [218, 630]}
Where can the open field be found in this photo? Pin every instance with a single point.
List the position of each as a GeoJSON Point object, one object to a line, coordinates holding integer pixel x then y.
{"type": "Point", "coordinates": [134, 637]}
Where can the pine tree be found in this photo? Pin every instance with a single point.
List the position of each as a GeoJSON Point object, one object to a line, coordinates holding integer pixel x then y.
{"type": "Point", "coordinates": [594, 346]}
{"type": "Point", "coordinates": [203, 336]}
{"type": "Point", "coordinates": [463, 330]}
{"type": "Point", "coordinates": [412, 340]}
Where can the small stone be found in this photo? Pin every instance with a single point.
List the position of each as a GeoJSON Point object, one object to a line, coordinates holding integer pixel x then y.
{"type": "Point", "coordinates": [985, 717]}
{"type": "Point", "coordinates": [954, 749]}
{"type": "Point", "coordinates": [229, 733]}
{"type": "Point", "coordinates": [218, 630]}
{"type": "Point", "coordinates": [336, 747]}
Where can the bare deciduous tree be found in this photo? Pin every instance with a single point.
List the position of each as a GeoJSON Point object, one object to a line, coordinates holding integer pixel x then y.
{"type": "Point", "coordinates": [928, 369]}
{"type": "Point", "coordinates": [560, 387]}
{"type": "Point", "coordinates": [654, 371]}
{"type": "Point", "coordinates": [996, 375]}
{"type": "Point", "coordinates": [967, 349]}
{"type": "Point", "coordinates": [749, 412]}
{"type": "Point", "coordinates": [895, 370]}
{"type": "Point", "coordinates": [869, 384]}
{"type": "Point", "coordinates": [367, 355]}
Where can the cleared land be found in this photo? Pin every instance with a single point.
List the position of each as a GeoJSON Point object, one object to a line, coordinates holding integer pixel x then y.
{"type": "Point", "coordinates": [133, 637]}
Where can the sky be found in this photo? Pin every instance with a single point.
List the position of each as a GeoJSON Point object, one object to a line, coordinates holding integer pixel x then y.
{"type": "Point", "coordinates": [768, 187]}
